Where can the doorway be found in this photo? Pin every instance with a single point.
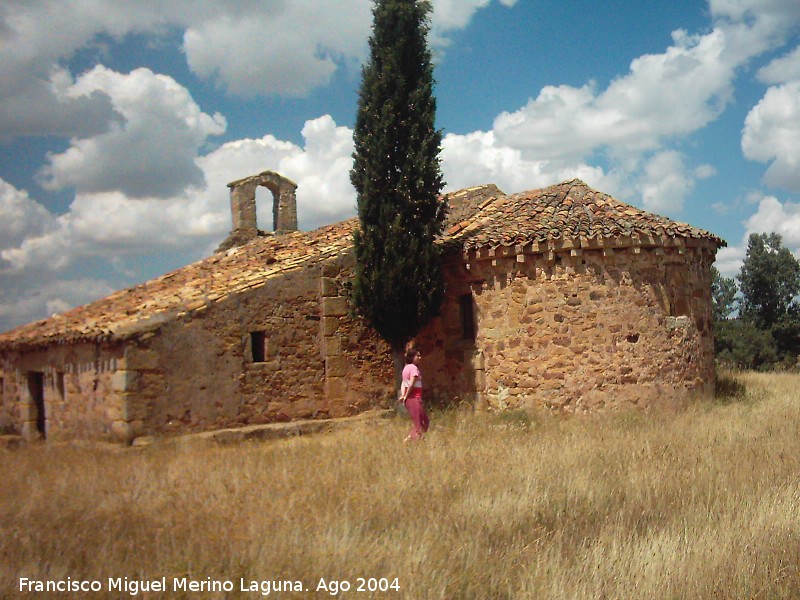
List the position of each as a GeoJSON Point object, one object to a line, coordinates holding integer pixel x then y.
{"type": "Point", "coordinates": [36, 391]}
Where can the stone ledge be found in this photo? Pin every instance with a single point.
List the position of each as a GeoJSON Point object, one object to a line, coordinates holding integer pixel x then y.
{"type": "Point", "coordinates": [271, 431]}
{"type": "Point", "coordinates": [11, 442]}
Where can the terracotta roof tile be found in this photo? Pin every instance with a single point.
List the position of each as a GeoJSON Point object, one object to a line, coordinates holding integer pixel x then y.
{"type": "Point", "coordinates": [144, 307]}
{"type": "Point", "coordinates": [568, 210]}
{"type": "Point", "coordinates": [478, 217]}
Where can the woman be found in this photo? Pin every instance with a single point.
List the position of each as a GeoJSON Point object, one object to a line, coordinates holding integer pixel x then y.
{"type": "Point", "coordinates": [411, 395]}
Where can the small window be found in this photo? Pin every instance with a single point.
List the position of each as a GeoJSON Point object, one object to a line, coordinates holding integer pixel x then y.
{"type": "Point", "coordinates": [257, 339]}
{"type": "Point", "coordinates": [60, 385]}
{"type": "Point", "coordinates": [467, 317]}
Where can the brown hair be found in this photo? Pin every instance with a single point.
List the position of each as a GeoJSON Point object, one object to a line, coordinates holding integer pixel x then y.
{"type": "Point", "coordinates": [410, 355]}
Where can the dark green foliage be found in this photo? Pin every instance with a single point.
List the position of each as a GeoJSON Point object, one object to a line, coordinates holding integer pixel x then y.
{"type": "Point", "coordinates": [766, 332]}
{"type": "Point", "coordinates": [769, 280]}
{"type": "Point", "coordinates": [396, 173]}
{"type": "Point", "coordinates": [745, 346]}
{"type": "Point", "coordinates": [723, 296]}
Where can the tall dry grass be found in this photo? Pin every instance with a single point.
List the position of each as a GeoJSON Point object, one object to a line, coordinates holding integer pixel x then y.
{"type": "Point", "coordinates": [704, 503]}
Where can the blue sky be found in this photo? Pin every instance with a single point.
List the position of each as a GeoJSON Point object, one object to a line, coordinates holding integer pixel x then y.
{"type": "Point", "coordinates": [121, 122]}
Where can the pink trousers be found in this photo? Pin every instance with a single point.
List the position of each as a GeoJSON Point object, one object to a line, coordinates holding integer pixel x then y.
{"type": "Point", "coordinates": [419, 418]}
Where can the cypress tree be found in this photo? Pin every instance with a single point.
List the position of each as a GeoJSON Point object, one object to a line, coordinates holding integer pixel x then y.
{"type": "Point", "coordinates": [397, 176]}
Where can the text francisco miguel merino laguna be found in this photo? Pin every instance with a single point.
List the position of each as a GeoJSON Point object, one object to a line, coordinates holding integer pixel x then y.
{"type": "Point", "coordinates": [134, 587]}
{"type": "Point", "coordinates": [179, 584]}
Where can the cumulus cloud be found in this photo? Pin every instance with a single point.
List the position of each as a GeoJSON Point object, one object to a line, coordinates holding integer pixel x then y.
{"type": "Point", "coordinates": [285, 48]}
{"type": "Point", "coordinates": [666, 182]}
{"type": "Point", "coordinates": [565, 130]}
{"type": "Point", "coordinates": [48, 298]}
{"type": "Point", "coordinates": [196, 219]}
{"type": "Point", "coordinates": [729, 260]}
{"type": "Point", "coordinates": [478, 158]}
{"type": "Point", "coordinates": [783, 69]}
{"type": "Point", "coordinates": [663, 95]}
{"type": "Point", "coordinates": [450, 15]}
{"type": "Point", "coordinates": [778, 217]}
{"type": "Point", "coordinates": [150, 151]}
{"type": "Point", "coordinates": [771, 216]}
{"type": "Point", "coordinates": [772, 134]}
{"type": "Point", "coordinates": [320, 168]}
{"type": "Point", "coordinates": [20, 216]}
{"type": "Point", "coordinates": [249, 47]}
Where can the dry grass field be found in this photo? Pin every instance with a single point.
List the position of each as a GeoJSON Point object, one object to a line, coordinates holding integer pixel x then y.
{"type": "Point", "coordinates": [703, 503]}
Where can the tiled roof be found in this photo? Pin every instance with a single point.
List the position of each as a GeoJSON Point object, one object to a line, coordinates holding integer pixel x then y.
{"type": "Point", "coordinates": [144, 307]}
{"type": "Point", "coordinates": [479, 217]}
{"type": "Point", "coordinates": [568, 210]}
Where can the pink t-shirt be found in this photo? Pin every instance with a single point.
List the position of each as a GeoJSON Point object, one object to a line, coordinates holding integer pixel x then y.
{"type": "Point", "coordinates": [409, 371]}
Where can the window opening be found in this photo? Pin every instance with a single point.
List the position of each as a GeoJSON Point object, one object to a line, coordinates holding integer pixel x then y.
{"type": "Point", "coordinates": [60, 385]}
{"type": "Point", "coordinates": [264, 210]}
{"type": "Point", "coordinates": [257, 346]}
{"type": "Point", "coordinates": [467, 317]}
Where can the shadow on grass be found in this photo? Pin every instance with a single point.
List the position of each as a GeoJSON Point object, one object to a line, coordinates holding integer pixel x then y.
{"type": "Point", "coordinates": [729, 388]}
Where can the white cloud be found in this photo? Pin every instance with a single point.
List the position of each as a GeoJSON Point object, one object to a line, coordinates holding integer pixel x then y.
{"type": "Point", "coordinates": [249, 47]}
{"type": "Point", "coordinates": [705, 171]}
{"type": "Point", "coordinates": [771, 216]}
{"type": "Point", "coordinates": [666, 182]}
{"type": "Point", "coordinates": [20, 216]}
{"type": "Point", "coordinates": [772, 134]}
{"type": "Point", "coordinates": [478, 158]}
{"type": "Point", "coordinates": [285, 48]}
{"type": "Point", "coordinates": [449, 15]}
{"type": "Point", "coordinates": [774, 216]}
{"type": "Point", "coordinates": [783, 69]}
{"type": "Point", "coordinates": [729, 260]}
{"type": "Point", "coordinates": [321, 169]}
{"type": "Point", "coordinates": [113, 224]}
{"type": "Point", "coordinates": [150, 153]}
{"type": "Point", "coordinates": [664, 95]}
{"type": "Point", "coordinates": [48, 298]}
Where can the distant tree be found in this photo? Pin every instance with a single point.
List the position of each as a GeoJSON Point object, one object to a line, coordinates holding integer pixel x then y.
{"type": "Point", "coordinates": [723, 296]}
{"type": "Point", "coordinates": [769, 281]}
{"type": "Point", "coordinates": [397, 176]}
{"type": "Point", "coordinates": [742, 344]}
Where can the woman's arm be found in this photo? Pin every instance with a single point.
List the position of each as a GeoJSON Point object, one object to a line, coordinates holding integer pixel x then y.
{"type": "Point", "coordinates": [410, 385]}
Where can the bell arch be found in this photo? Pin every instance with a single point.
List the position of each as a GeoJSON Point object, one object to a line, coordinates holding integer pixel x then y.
{"type": "Point", "coordinates": [243, 206]}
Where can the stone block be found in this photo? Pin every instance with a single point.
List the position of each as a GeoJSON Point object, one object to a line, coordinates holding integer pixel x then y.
{"type": "Point", "coordinates": [333, 345]}
{"type": "Point", "coordinates": [117, 409]}
{"type": "Point", "coordinates": [335, 366]}
{"type": "Point", "coordinates": [334, 307]}
{"type": "Point", "coordinates": [328, 287]}
{"type": "Point", "coordinates": [124, 381]}
{"type": "Point", "coordinates": [335, 388]}
{"type": "Point", "coordinates": [121, 431]}
{"type": "Point", "coordinates": [330, 325]}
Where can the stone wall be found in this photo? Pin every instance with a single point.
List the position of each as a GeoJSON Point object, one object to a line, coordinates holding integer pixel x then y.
{"type": "Point", "coordinates": [576, 330]}
{"type": "Point", "coordinates": [79, 389]}
{"type": "Point", "coordinates": [359, 373]}
{"type": "Point", "coordinates": [8, 391]}
{"type": "Point", "coordinates": [199, 372]}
